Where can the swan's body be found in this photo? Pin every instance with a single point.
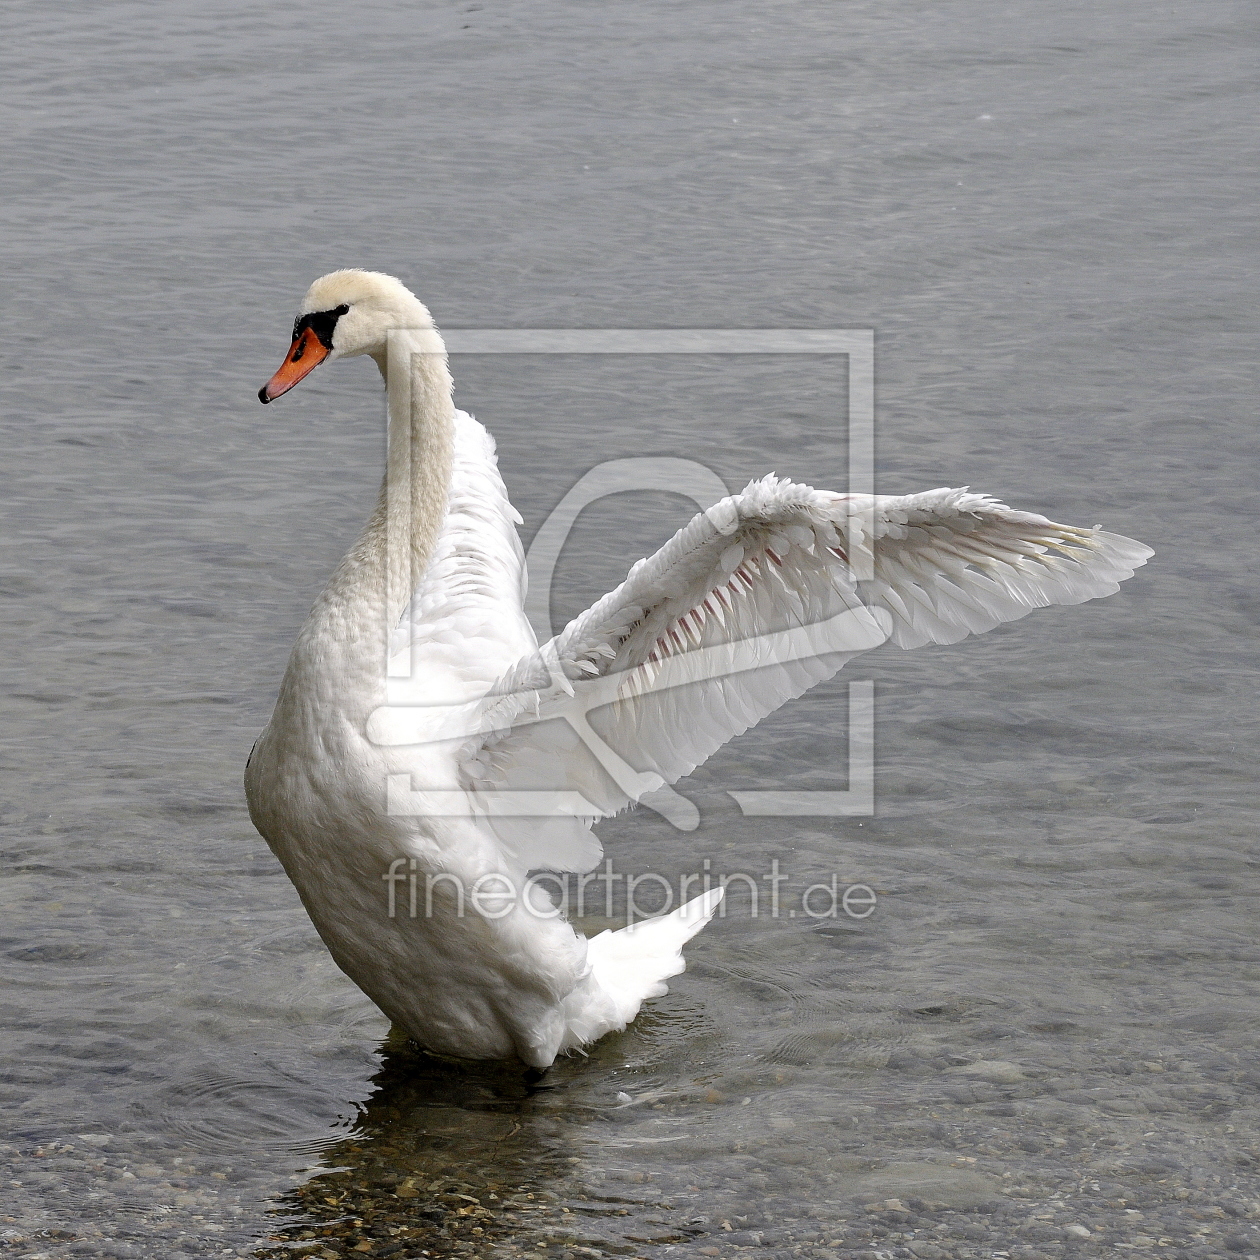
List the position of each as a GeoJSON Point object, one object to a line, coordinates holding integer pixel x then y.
{"type": "Point", "coordinates": [418, 717]}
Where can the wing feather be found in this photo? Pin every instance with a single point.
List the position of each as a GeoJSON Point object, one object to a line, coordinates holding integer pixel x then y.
{"type": "Point", "coordinates": [748, 606]}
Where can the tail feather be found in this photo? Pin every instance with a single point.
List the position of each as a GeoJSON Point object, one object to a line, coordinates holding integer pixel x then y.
{"type": "Point", "coordinates": [629, 966]}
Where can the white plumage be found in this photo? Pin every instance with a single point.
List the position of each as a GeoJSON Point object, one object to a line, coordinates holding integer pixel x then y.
{"type": "Point", "coordinates": [476, 754]}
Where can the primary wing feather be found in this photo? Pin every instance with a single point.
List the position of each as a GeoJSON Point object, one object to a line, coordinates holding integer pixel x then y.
{"type": "Point", "coordinates": [746, 607]}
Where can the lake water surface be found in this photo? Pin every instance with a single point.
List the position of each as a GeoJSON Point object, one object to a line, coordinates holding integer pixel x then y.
{"type": "Point", "coordinates": [1043, 1040]}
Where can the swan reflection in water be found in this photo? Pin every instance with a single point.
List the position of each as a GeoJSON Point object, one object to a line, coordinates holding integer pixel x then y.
{"type": "Point", "coordinates": [488, 1158]}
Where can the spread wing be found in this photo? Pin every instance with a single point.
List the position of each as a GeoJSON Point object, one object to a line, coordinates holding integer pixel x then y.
{"type": "Point", "coordinates": [746, 607]}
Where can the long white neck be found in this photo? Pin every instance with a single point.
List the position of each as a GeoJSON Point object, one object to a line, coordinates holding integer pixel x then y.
{"type": "Point", "coordinates": [371, 587]}
{"type": "Point", "coordinates": [417, 481]}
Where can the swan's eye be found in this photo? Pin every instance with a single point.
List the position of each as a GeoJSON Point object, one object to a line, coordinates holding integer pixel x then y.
{"type": "Point", "coordinates": [321, 323]}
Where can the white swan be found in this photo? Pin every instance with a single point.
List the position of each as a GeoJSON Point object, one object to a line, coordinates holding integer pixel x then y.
{"type": "Point", "coordinates": [424, 749]}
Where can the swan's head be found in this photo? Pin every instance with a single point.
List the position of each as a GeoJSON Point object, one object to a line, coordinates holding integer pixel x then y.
{"type": "Point", "coordinates": [345, 313]}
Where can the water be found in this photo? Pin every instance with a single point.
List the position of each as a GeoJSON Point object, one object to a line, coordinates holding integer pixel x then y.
{"type": "Point", "coordinates": [1044, 211]}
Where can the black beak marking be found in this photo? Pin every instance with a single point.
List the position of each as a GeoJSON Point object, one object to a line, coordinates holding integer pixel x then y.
{"type": "Point", "coordinates": [321, 323]}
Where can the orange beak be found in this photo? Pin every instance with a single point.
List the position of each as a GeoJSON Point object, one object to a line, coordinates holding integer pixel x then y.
{"type": "Point", "coordinates": [305, 355]}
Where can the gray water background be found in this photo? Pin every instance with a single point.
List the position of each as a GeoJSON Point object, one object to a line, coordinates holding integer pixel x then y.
{"type": "Point", "coordinates": [1046, 212]}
